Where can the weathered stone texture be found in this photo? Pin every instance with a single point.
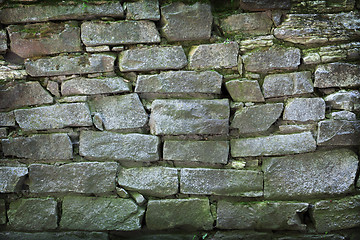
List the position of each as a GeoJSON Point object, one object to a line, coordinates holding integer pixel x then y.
{"type": "Point", "coordinates": [344, 115]}
{"type": "Point", "coordinates": [152, 58]}
{"type": "Point", "coordinates": [111, 146]}
{"type": "Point", "coordinates": [216, 55]}
{"type": "Point", "coordinates": [142, 10]}
{"type": "Point", "coordinates": [273, 145]}
{"type": "Point", "coordinates": [3, 41]}
{"type": "Point", "coordinates": [197, 151]}
{"type": "Point", "coordinates": [244, 90]}
{"type": "Point", "coordinates": [11, 178]}
{"type": "Point", "coordinates": [256, 5]}
{"type": "Point", "coordinates": [83, 177]}
{"type": "Point", "coordinates": [186, 22]}
{"type": "Point", "coordinates": [7, 119]}
{"type": "Point", "coordinates": [151, 181]}
{"type": "Point", "coordinates": [176, 117]}
{"type": "Point", "coordinates": [225, 182]}
{"type": "Point", "coordinates": [54, 235]}
{"type": "Point", "coordinates": [256, 42]}
{"type": "Point", "coordinates": [260, 215]}
{"type": "Point", "coordinates": [33, 214]}
{"type": "Point", "coordinates": [9, 74]}
{"type": "Point", "coordinates": [304, 109]}
{"type": "Point", "coordinates": [344, 100]}
{"type": "Point", "coordinates": [100, 214]}
{"type": "Point", "coordinates": [241, 234]}
{"type": "Point", "coordinates": [192, 213]}
{"type": "Point", "coordinates": [338, 133]}
{"type": "Point", "coordinates": [337, 75]}
{"type": "Point", "coordinates": [67, 65]}
{"type": "Point", "coordinates": [120, 32]}
{"type": "Point", "coordinates": [323, 6]}
{"type": "Point", "coordinates": [55, 146]}
{"type": "Point", "coordinates": [318, 174]}
{"type": "Point", "coordinates": [2, 212]}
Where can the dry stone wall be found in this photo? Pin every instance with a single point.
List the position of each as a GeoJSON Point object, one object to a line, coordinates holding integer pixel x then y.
{"type": "Point", "coordinates": [179, 120]}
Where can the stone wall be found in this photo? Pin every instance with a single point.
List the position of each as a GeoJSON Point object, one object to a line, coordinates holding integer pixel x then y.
{"type": "Point", "coordinates": [179, 120]}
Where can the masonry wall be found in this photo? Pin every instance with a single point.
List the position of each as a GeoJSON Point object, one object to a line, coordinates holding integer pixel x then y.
{"type": "Point", "coordinates": [179, 120]}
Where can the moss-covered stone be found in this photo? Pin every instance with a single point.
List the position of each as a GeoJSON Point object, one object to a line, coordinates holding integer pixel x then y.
{"type": "Point", "coordinates": [244, 90]}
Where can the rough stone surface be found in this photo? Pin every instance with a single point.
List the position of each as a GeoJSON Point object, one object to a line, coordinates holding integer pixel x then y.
{"type": "Point", "coordinates": [100, 214]}
{"type": "Point", "coordinates": [142, 10]}
{"type": "Point", "coordinates": [120, 32]}
{"type": "Point", "coordinates": [55, 146]}
{"type": "Point", "coordinates": [110, 146]}
{"type": "Point", "coordinates": [256, 42]}
{"type": "Point", "coordinates": [12, 178]}
{"type": "Point", "coordinates": [344, 115]}
{"type": "Point", "coordinates": [98, 49]}
{"type": "Point", "coordinates": [318, 173]}
{"type": "Point", "coordinates": [227, 182]}
{"type": "Point", "coordinates": [273, 145]}
{"type": "Point", "coordinates": [216, 55]}
{"type": "Point", "coordinates": [326, 236]}
{"type": "Point", "coordinates": [53, 88]}
{"type": "Point", "coordinates": [241, 235]}
{"type": "Point", "coordinates": [54, 235]}
{"type": "Point", "coordinates": [344, 100]}
{"type": "Point", "coordinates": [287, 84]}
{"type": "Point", "coordinates": [7, 119]}
{"type": "Point", "coordinates": [192, 213]}
{"type": "Point", "coordinates": [67, 65]}
{"type": "Point", "coordinates": [33, 214]}
{"type": "Point", "coordinates": [120, 112]}
{"type": "Point", "coordinates": [2, 212]}
{"type": "Point", "coordinates": [256, 5]}
{"type": "Point", "coordinates": [274, 58]}
{"type": "Point", "coordinates": [304, 109]}
{"type": "Point", "coordinates": [152, 58]}
{"type": "Point", "coordinates": [83, 177]}
{"type": "Point", "coordinates": [197, 151]}
{"type": "Point", "coordinates": [337, 75]}
{"type": "Point", "coordinates": [3, 41]}
{"type": "Point", "coordinates": [150, 181]}
{"type": "Point", "coordinates": [256, 118]}
{"type": "Point", "coordinates": [88, 86]}
{"type": "Point", "coordinates": [176, 117]}
{"type": "Point", "coordinates": [186, 22]}
{"type": "Point", "coordinates": [54, 117]}
{"type": "Point", "coordinates": [39, 39]}
{"type": "Point", "coordinates": [16, 95]}
{"type": "Point", "coordinates": [245, 90]}
{"type": "Point", "coordinates": [8, 75]}
{"type": "Point", "coordinates": [336, 214]}
{"type": "Point", "coordinates": [338, 133]}
{"type": "Point", "coordinates": [315, 6]}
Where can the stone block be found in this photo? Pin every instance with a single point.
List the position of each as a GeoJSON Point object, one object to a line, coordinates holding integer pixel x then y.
{"type": "Point", "coordinates": [7, 119]}
{"type": "Point", "coordinates": [337, 75]}
{"type": "Point", "coordinates": [344, 100]}
{"type": "Point", "coordinates": [3, 41]}
{"type": "Point", "coordinates": [256, 5]}
{"type": "Point", "coordinates": [150, 181]}
{"type": "Point", "coordinates": [223, 182]}
{"type": "Point", "coordinates": [152, 58]}
{"type": "Point", "coordinates": [100, 214]}
{"type": "Point", "coordinates": [12, 178]}
{"type": "Point", "coordinates": [33, 214]}
{"type": "Point", "coordinates": [304, 109]}
{"type": "Point", "coordinates": [338, 133]}
{"type": "Point", "coordinates": [245, 90]}
{"type": "Point", "coordinates": [216, 55]}
{"type": "Point", "coordinates": [318, 173]}
{"type": "Point", "coordinates": [142, 10]}
{"type": "Point", "coordinates": [323, 6]}
{"type": "Point", "coordinates": [82, 177]}
{"type": "Point", "coordinates": [178, 116]}
{"type": "Point", "coordinates": [241, 234]}
{"type": "Point", "coordinates": [186, 214]}
{"type": "Point", "coordinates": [2, 212]}
{"type": "Point", "coordinates": [197, 151]}
{"type": "Point", "coordinates": [9, 75]}
{"type": "Point", "coordinates": [273, 145]}
{"type": "Point", "coordinates": [344, 115]}
{"type": "Point", "coordinates": [56, 146]}
{"type": "Point", "coordinates": [261, 215]}
{"type": "Point", "coordinates": [116, 146]}
{"type": "Point", "coordinates": [98, 49]}
{"type": "Point", "coordinates": [96, 33]}
{"type": "Point", "coordinates": [256, 42]}
{"type": "Point", "coordinates": [54, 235]}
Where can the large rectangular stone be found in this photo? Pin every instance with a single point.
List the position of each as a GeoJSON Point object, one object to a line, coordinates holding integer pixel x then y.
{"type": "Point", "coordinates": [273, 145]}
{"type": "Point", "coordinates": [82, 177]}
{"type": "Point", "coordinates": [3, 41]}
{"type": "Point", "coordinates": [176, 117]}
{"type": "Point", "coordinates": [310, 175]}
{"type": "Point", "coordinates": [12, 178]}
{"type": "Point", "coordinates": [304, 109]}
{"type": "Point", "coordinates": [7, 119]}
{"type": "Point", "coordinates": [73, 235]}
{"type": "Point", "coordinates": [337, 75]}
{"type": "Point", "coordinates": [229, 182]}
{"type": "Point", "coordinates": [338, 133]}
{"type": "Point", "coordinates": [117, 146]}
{"type": "Point", "coordinates": [142, 10]}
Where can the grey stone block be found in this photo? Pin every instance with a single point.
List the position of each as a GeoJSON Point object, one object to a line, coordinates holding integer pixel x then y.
{"type": "Point", "coordinates": [344, 100]}
{"type": "Point", "coordinates": [12, 178]}
{"type": "Point", "coordinates": [7, 119]}
{"type": "Point", "coordinates": [304, 109]}
{"type": "Point", "coordinates": [344, 115]}
{"type": "Point", "coordinates": [338, 133]}
{"type": "Point", "coordinates": [337, 75]}
{"type": "Point", "coordinates": [3, 41]}
{"type": "Point", "coordinates": [142, 10]}
{"type": "Point", "coordinates": [256, 5]}
{"type": "Point", "coordinates": [245, 90]}
{"type": "Point", "coordinates": [54, 235]}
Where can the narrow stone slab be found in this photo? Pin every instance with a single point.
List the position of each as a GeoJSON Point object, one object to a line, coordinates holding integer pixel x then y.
{"type": "Point", "coordinates": [245, 90]}
{"type": "Point", "coordinates": [343, 115]}
{"type": "Point", "coordinates": [83, 177]}
{"type": "Point", "coordinates": [338, 133]}
{"type": "Point", "coordinates": [54, 117]}
{"type": "Point", "coordinates": [319, 172]}
{"type": "Point", "coordinates": [216, 55]}
{"type": "Point", "coordinates": [337, 75]}
{"type": "Point", "coordinates": [11, 178]}
{"type": "Point", "coordinates": [33, 214]}
{"type": "Point", "coordinates": [304, 109]}
{"type": "Point", "coordinates": [2, 212]}
{"type": "Point", "coordinates": [176, 117]}
{"type": "Point", "coordinates": [150, 181]}
{"type": "Point", "coordinates": [142, 10]}
{"type": "Point", "coordinates": [55, 146]}
{"type": "Point", "coordinates": [68, 65]}
{"type": "Point", "coordinates": [273, 145]}
{"type": "Point", "coordinates": [192, 213]}
{"type": "Point", "coordinates": [323, 6]}
{"type": "Point", "coordinates": [261, 215]}
{"type": "Point", "coordinates": [3, 41]}
{"type": "Point", "coordinates": [336, 214]}
{"type": "Point", "coordinates": [152, 58]}
{"type": "Point", "coordinates": [100, 214]}
{"type": "Point", "coordinates": [117, 146]}
{"type": "Point", "coordinates": [54, 235]}
{"type": "Point", "coordinates": [229, 182]}
{"type": "Point", "coordinates": [197, 151]}
{"type": "Point", "coordinates": [256, 5]}
{"type": "Point", "coordinates": [344, 100]}
{"type": "Point", "coordinates": [7, 119]}
{"type": "Point", "coordinates": [117, 33]}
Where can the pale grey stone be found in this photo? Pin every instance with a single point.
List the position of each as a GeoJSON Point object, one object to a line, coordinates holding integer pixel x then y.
{"type": "Point", "coordinates": [337, 75]}
{"type": "Point", "coordinates": [286, 129]}
{"type": "Point", "coordinates": [311, 58]}
{"type": "Point", "coordinates": [117, 146]}
{"type": "Point", "coordinates": [12, 178]}
{"type": "Point", "coordinates": [54, 235]}
{"type": "Point", "coordinates": [344, 100]}
{"type": "Point", "coordinates": [10, 74]}
{"type": "Point", "coordinates": [256, 42]}
{"type": "Point", "coordinates": [176, 117]}
{"type": "Point", "coordinates": [122, 192]}
{"type": "Point", "coordinates": [323, 6]}
{"type": "Point", "coordinates": [7, 119]}
{"type": "Point", "coordinates": [261, 5]}
{"type": "Point", "coordinates": [73, 99]}
{"type": "Point", "coordinates": [53, 88]}
{"type": "Point", "coordinates": [304, 109]}
{"type": "Point", "coordinates": [273, 145]}
{"type": "Point", "coordinates": [338, 133]}
{"type": "Point", "coordinates": [150, 181]}
{"type": "Point", "coordinates": [318, 173]}
{"type": "Point", "coordinates": [138, 198]}
{"type": "Point", "coordinates": [82, 177]}
{"type": "Point", "coordinates": [2, 212]}
{"type": "Point", "coordinates": [245, 90]}
{"type": "Point", "coordinates": [344, 115]}
{"type": "Point", "coordinates": [98, 121]}
{"type": "Point", "coordinates": [223, 182]}
{"type": "Point", "coordinates": [3, 41]}
{"type": "Point", "coordinates": [98, 49]}
{"type": "Point", "coordinates": [142, 10]}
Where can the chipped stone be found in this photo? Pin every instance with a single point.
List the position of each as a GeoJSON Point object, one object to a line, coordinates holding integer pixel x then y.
{"type": "Point", "coordinates": [53, 88]}
{"type": "Point", "coordinates": [138, 198]}
{"type": "Point", "coordinates": [98, 121]}
{"type": "Point", "coordinates": [244, 90]}
{"type": "Point", "coordinates": [338, 133]}
{"type": "Point", "coordinates": [344, 115]}
{"type": "Point", "coordinates": [304, 109]}
{"type": "Point", "coordinates": [344, 100]}
{"type": "Point", "coordinates": [12, 178]}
